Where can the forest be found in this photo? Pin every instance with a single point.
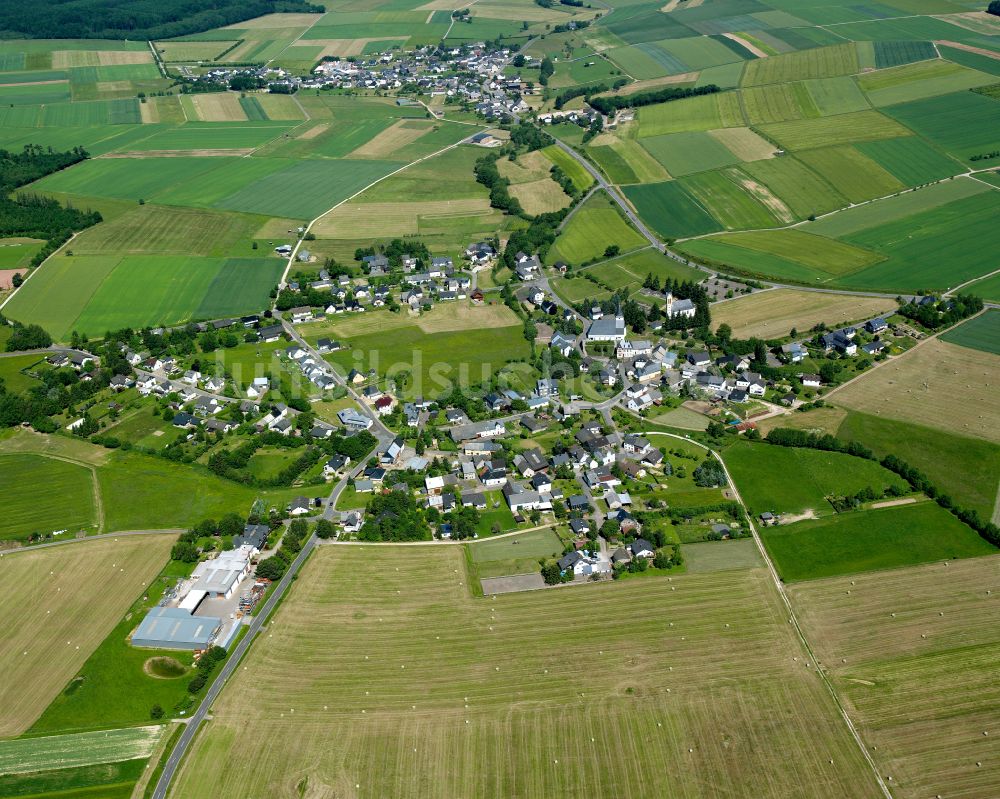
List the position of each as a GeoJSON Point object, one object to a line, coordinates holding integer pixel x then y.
{"type": "Point", "coordinates": [131, 19]}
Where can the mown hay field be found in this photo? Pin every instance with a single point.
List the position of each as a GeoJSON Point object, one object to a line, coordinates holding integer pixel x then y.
{"type": "Point", "coordinates": [936, 384]}
{"type": "Point", "coordinates": [772, 314]}
{"type": "Point", "coordinates": [912, 653]}
{"type": "Point", "coordinates": [428, 692]}
{"type": "Point", "coordinates": [61, 603]}
{"type": "Point", "coordinates": [30, 509]}
{"type": "Point", "coordinates": [391, 219]}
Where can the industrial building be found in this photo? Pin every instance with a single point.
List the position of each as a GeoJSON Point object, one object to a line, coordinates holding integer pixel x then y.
{"type": "Point", "coordinates": [175, 628]}
{"type": "Point", "coordinates": [218, 577]}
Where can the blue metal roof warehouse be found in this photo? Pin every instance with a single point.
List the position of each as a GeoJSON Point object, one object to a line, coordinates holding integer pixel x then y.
{"type": "Point", "coordinates": [174, 628]}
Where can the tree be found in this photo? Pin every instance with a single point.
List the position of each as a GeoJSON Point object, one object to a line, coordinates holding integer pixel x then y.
{"type": "Point", "coordinates": [272, 568]}
{"type": "Point", "coordinates": [724, 333]}
{"type": "Point", "coordinates": [612, 250]}
{"type": "Point", "coordinates": [325, 529]}
{"type": "Point", "coordinates": [156, 712]}
{"type": "Point", "coordinates": [545, 71]}
{"type": "Point", "coordinates": [184, 551]}
{"type": "Point", "coordinates": [993, 8]}
{"type": "Point", "coordinates": [519, 60]}
{"type": "Point", "coordinates": [550, 573]}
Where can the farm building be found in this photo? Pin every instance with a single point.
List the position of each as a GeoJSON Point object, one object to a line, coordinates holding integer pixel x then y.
{"type": "Point", "coordinates": [175, 628]}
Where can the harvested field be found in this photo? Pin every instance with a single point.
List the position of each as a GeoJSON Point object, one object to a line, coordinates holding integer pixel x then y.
{"type": "Point", "coordinates": [61, 604]}
{"type": "Point", "coordinates": [744, 143]}
{"type": "Point", "coordinates": [65, 59]}
{"type": "Point", "coordinates": [343, 47]}
{"type": "Point", "coordinates": [26, 755]}
{"type": "Point", "coordinates": [181, 153]}
{"type": "Point", "coordinates": [372, 220]}
{"type": "Point", "coordinates": [771, 314]}
{"type": "Point", "coordinates": [936, 384]}
{"type": "Point", "coordinates": [911, 652]}
{"type": "Point", "coordinates": [217, 107]}
{"type": "Point", "coordinates": [7, 278]}
{"type": "Point", "coordinates": [509, 697]}
{"type": "Point", "coordinates": [386, 143]}
{"type": "Point", "coordinates": [540, 196]}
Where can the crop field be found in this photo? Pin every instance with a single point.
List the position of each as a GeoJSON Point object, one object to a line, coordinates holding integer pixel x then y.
{"type": "Point", "coordinates": [772, 314]}
{"type": "Point", "coordinates": [804, 134]}
{"type": "Point", "coordinates": [30, 509]}
{"type": "Point", "coordinates": [191, 51]}
{"type": "Point", "coordinates": [686, 153]}
{"type": "Point", "coordinates": [798, 187]}
{"type": "Point", "coordinates": [938, 385]}
{"type": "Point", "coordinates": [919, 81]}
{"type": "Point", "coordinates": [557, 693]}
{"type": "Point", "coordinates": [980, 333]}
{"type": "Point", "coordinates": [670, 210]}
{"type": "Point", "coordinates": [61, 610]}
{"type": "Point", "coordinates": [964, 123]}
{"type": "Point", "coordinates": [894, 54]}
{"type": "Point", "coordinates": [361, 220]}
{"type": "Point", "coordinates": [851, 173]}
{"type": "Point", "coordinates": [722, 193]}
{"type": "Point", "coordinates": [911, 160]}
{"type": "Point", "coordinates": [821, 62]}
{"type": "Point", "coordinates": [791, 480]}
{"type": "Point", "coordinates": [778, 102]}
{"type": "Point", "coordinates": [595, 226]}
{"type": "Point", "coordinates": [631, 270]}
{"type": "Point", "coordinates": [707, 112]}
{"type": "Point", "coordinates": [869, 540]}
{"type": "Point", "coordinates": [909, 652]}
{"type": "Point", "coordinates": [988, 288]}
{"type": "Point", "coordinates": [836, 95]}
{"type": "Point", "coordinates": [27, 755]}
{"type": "Point", "coordinates": [581, 178]}
{"type": "Point", "coordinates": [625, 161]}
{"type": "Point", "coordinates": [94, 294]}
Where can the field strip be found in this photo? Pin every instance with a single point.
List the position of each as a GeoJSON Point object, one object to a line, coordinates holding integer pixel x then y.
{"type": "Point", "coordinates": [792, 618]}
{"type": "Point", "coordinates": [25, 755]}
{"type": "Point", "coordinates": [206, 153]}
{"type": "Point", "coordinates": [969, 48]}
{"type": "Point", "coordinates": [744, 43]}
{"type": "Point", "coordinates": [32, 272]}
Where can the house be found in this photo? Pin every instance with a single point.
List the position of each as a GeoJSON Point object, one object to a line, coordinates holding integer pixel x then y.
{"type": "Point", "coordinates": [383, 405]}
{"type": "Point", "coordinates": [532, 424]}
{"type": "Point", "coordinates": [579, 502]}
{"type": "Point", "coordinates": [794, 352]}
{"type": "Point", "coordinates": [811, 381]}
{"type": "Point", "coordinates": [121, 382]}
{"type": "Point", "coordinates": [737, 363]}
{"type": "Point", "coordinates": [751, 382]}
{"type": "Point", "coordinates": [364, 486]}
{"type": "Point", "coordinates": [876, 325]}
{"type": "Point", "coordinates": [488, 429]}
{"type": "Point", "coordinates": [637, 444]}
{"type": "Point", "coordinates": [739, 395]}
{"type": "Point", "coordinates": [579, 526]}
{"type": "Point", "coordinates": [335, 464]}
{"type": "Point", "coordinates": [185, 421]}
{"type": "Point", "coordinates": [641, 548]}
{"type": "Point", "coordinates": [299, 506]}
{"type": "Point", "coordinates": [270, 333]}
{"type": "Point", "coordinates": [355, 377]}
{"type": "Point", "coordinates": [519, 498]}
{"type": "Point", "coordinates": [474, 499]}
{"type": "Point", "coordinates": [215, 384]}
{"type": "Point", "coordinates": [541, 483]}
{"type": "Point", "coordinates": [633, 349]}
{"type": "Point", "coordinates": [620, 555]}
{"type": "Point", "coordinates": [547, 387]}
{"type": "Point", "coordinates": [768, 519]}
{"type": "Point", "coordinates": [353, 420]}
{"type": "Point", "coordinates": [839, 340]}
{"type": "Point", "coordinates": [351, 521]}
{"type": "Point", "coordinates": [301, 314]}
{"type": "Point", "coordinates": [562, 343]}
{"type": "Point", "coordinates": [327, 345]}
{"type": "Point", "coordinates": [698, 358]}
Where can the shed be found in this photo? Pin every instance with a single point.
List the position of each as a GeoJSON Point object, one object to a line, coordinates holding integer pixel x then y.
{"type": "Point", "coordinates": [174, 628]}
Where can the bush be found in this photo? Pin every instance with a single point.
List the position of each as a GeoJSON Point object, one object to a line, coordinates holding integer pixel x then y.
{"type": "Point", "coordinates": [156, 712]}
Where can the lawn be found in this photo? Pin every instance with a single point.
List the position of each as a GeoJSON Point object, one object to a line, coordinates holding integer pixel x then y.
{"type": "Point", "coordinates": [33, 482]}
{"type": "Point", "coordinates": [595, 226]}
{"type": "Point", "coordinates": [910, 652]}
{"type": "Point", "coordinates": [791, 480]}
{"type": "Point", "coordinates": [861, 541]}
{"type": "Point", "coordinates": [15, 370]}
{"type": "Point", "coordinates": [514, 554]}
{"type": "Point", "coordinates": [534, 685]}
{"type": "Point", "coordinates": [981, 333]}
{"type": "Point", "coordinates": [59, 609]}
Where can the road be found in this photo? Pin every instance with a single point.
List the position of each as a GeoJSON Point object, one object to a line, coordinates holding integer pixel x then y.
{"type": "Point", "coordinates": [229, 666]}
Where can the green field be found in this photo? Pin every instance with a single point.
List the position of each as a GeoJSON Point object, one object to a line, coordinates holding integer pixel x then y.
{"type": "Point", "coordinates": [790, 480]}
{"type": "Point", "coordinates": [595, 226]}
{"type": "Point", "coordinates": [778, 102]}
{"type": "Point", "coordinates": [853, 174]}
{"type": "Point", "coordinates": [31, 509]}
{"type": "Point", "coordinates": [94, 294]}
{"type": "Point", "coordinates": [981, 333]}
{"type": "Point", "coordinates": [967, 469]}
{"type": "Point", "coordinates": [987, 288]}
{"type": "Point", "coordinates": [822, 62]}
{"type": "Point", "coordinates": [963, 123]}
{"type": "Point", "coordinates": [862, 541]}
{"type": "Point", "coordinates": [910, 159]}
{"type": "Point", "coordinates": [686, 153]}
{"type": "Point", "coordinates": [727, 201]}
{"type": "Point", "coordinates": [671, 211]}
{"type": "Point", "coordinates": [14, 369]}
{"type": "Point", "coordinates": [804, 134]}
{"type": "Point", "coordinates": [581, 178]}
{"type": "Point", "coordinates": [918, 81]}
{"type": "Point", "coordinates": [801, 189]}
{"type": "Point", "coordinates": [514, 554]}
{"type": "Point", "coordinates": [106, 780]}
{"type": "Point", "coordinates": [707, 112]}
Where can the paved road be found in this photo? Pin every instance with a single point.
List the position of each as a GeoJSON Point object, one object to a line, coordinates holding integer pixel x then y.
{"type": "Point", "coordinates": [228, 668]}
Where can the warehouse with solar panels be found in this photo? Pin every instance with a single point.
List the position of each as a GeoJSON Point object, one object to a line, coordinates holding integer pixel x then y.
{"type": "Point", "coordinates": [175, 628]}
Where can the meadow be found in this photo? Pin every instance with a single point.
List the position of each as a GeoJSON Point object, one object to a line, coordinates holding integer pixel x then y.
{"type": "Point", "coordinates": [790, 480]}
{"type": "Point", "coordinates": [772, 314]}
{"type": "Point", "coordinates": [514, 554]}
{"type": "Point", "coordinates": [596, 225]}
{"type": "Point", "coordinates": [909, 652]}
{"type": "Point", "coordinates": [869, 540]}
{"type": "Point", "coordinates": [938, 385]}
{"type": "Point", "coordinates": [30, 509]}
{"type": "Point", "coordinates": [61, 610]}
{"type": "Point", "coordinates": [513, 695]}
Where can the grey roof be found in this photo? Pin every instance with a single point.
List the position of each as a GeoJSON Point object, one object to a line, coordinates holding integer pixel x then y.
{"type": "Point", "coordinates": [174, 628]}
{"type": "Point", "coordinates": [608, 326]}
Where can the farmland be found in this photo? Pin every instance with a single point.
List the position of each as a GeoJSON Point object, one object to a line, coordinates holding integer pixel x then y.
{"type": "Point", "coordinates": [798, 481]}
{"type": "Point", "coordinates": [981, 333]}
{"type": "Point", "coordinates": [595, 226]}
{"type": "Point", "coordinates": [907, 650]}
{"type": "Point", "coordinates": [939, 385]}
{"type": "Point", "coordinates": [867, 540]}
{"type": "Point", "coordinates": [62, 593]}
{"type": "Point", "coordinates": [428, 655]}
{"type": "Point", "coordinates": [30, 510]}
{"type": "Point", "coordinates": [773, 314]}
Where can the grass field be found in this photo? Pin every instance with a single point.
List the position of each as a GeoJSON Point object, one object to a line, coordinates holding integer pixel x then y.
{"type": "Point", "coordinates": [798, 187]}
{"type": "Point", "coordinates": [538, 705]}
{"type": "Point", "coordinates": [30, 509]}
{"type": "Point", "coordinates": [938, 385]}
{"type": "Point", "coordinates": [962, 123]}
{"type": "Point", "coordinates": [596, 225]}
{"type": "Point", "coordinates": [821, 62]}
{"type": "Point", "coordinates": [853, 174]}
{"type": "Point", "coordinates": [918, 81]}
{"type": "Point", "coordinates": [988, 288]}
{"type": "Point", "coordinates": [860, 126]}
{"type": "Point", "coordinates": [687, 153]}
{"type": "Point", "coordinates": [27, 755]}
{"type": "Point", "coordinates": [515, 554]}
{"type": "Point", "coordinates": [790, 480]}
{"type": "Point", "coordinates": [581, 178]}
{"type": "Point", "coordinates": [967, 469]}
{"type": "Point", "coordinates": [671, 211]}
{"type": "Point", "coordinates": [707, 112]}
{"type": "Point", "coordinates": [723, 194]}
{"type": "Point", "coordinates": [909, 651]}
{"type": "Point", "coordinates": [62, 609]}
{"type": "Point", "coordinates": [868, 540]}
{"type": "Point", "coordinates": [981, 333]}
{"type": "Point", "coordinates": [772, 314]}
